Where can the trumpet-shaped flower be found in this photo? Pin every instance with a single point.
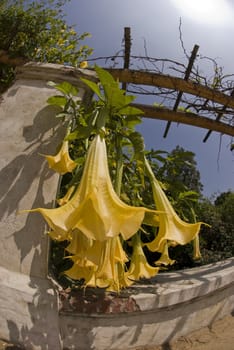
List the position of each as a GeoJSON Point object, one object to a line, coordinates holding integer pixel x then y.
{"type": "Point", "coordinates": [111, 271]}
{"type": "Point", "coordinates": [100, 264]}
{"type": "Point", "coordinates": [68, 195]}
{"type": "Point", "coordinates": [61, 162]}
{"type": "Point", "coordinates": [82, 269]}
{"type": "Point", "coordinates": [95, 209]}
{"type": "Point", "coordinates": [59, 237]}
{"type": "Point", "coordinates": [164, 258]}
{"type": "Point", "coordinates": [107, 273]}
{"type": "Point", "coordinates": [171, 227]}
{"type": "Point", "coordinates": [196, 248]}
{"type": "Point", "coordinates": [139, 267]}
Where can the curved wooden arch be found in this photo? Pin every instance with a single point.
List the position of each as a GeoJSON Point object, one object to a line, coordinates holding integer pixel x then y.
{"type": "Point", "coordinates": [179, 84]}
{"type": "Point", "coordinates": [172, 83]}
{"type": "Point", "coordinates": [185, 118]}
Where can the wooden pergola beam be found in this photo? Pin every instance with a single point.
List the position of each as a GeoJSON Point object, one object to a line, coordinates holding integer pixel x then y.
{"type": "Point", "coordinates": [188, 118]}
{"type": "Point", "coordinates": [172, 83]}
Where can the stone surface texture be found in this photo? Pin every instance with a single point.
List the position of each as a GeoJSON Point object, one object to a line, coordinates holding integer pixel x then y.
{"type": "Point", "coordinates": [166, 308]}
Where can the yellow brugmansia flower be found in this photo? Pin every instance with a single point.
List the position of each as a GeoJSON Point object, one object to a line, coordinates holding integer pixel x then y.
{"type": "Point", "coordinates": [164, 258]}
{"type": "Point", "coordinates": [111, 255]}
{"type": "Point", "coordinates": [82, 269]}
{"type": "Point", "coordinates": [98, 263]}
{"type": "Point", "coordinates": [95, 209]}
{"type": "Point", "coordinates": [196, 249]}
{"type": "Point", "coordinates": [68, 195]}
{"type": "Point", "coordinates": [139, 267]}
{"type": "Point", "coordinates": [58, 237]}
{"type": "Point", "coordinates": [83, 64]}
{"type": "Point", "coordinates": [171, 227]}
{"type": "Point", "coordinates": [85, 257]}
{"type": "Point", "coordinates": [62, 163]}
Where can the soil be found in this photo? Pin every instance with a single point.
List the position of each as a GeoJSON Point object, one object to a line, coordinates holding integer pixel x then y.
{"type": "Point", "coordinates": [219, 336]}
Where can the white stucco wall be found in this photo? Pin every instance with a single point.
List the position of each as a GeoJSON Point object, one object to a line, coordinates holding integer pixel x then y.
{"type": "Point", "coordinates": [28, 300]}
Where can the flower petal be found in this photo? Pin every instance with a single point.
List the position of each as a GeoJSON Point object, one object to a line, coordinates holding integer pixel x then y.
{"type": "Point", "coordinates": [68, 195]}
{"type": "Point", "coordinates": [171, 227]}
{"type": "Point", "coordinates": [164, 258]}
{"type": "Point", "coordinates": [95, 208]}
{"type": "Point", "coordinates": [196, 248]}
{"type": "Point", "coordinates": [61, 162]}
{"type": "Point", "coordinates": [139, 267]}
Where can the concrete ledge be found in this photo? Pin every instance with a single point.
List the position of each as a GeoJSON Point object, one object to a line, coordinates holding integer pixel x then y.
{"type": "Point", "coordinates": [178, 287]}
{"type": "Point", "coordinates": [55, 72]}
{"type": "Point", "coordinates": [171, 305]}
{"type": "Point", "coordinates": [28, 311]}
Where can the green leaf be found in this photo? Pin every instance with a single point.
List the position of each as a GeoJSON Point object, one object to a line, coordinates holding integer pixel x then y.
{"type": "Point", "coordinates": [190, 195]}
{"type": "Point", "coordinates": [133, 111]}
{"type": "Point", "coordinates": [67, 88]}
{"type": "Point", "coordinates": [105, 77]}
{"type": "Point", "coordinates": [57, 101]}
{"type": "Point", "coordinates": [51, 83]}
{"type": "Point", "coordinates": [138, 144]}
{"type": "Point", "coordinates": [116, 100]}
{"type": "Point", "coordinates": [82, 133]}
{"type": "Point", "coordinates": [93, 86]}
{"type": "Point", "coordinates": [130, 121]}
{"type": "Point", "coordinates": [80, 160]}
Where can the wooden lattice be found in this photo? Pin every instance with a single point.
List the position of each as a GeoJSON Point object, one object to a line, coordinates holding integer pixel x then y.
{"type": "Point", "coordinates": [191, 99]}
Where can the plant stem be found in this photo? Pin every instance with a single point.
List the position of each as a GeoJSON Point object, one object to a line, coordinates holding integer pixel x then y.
{"type": "Point", "coordinates": [119, 166]}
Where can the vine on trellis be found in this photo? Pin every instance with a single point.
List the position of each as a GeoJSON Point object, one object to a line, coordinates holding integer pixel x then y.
{"type": "Point", "coordinates": [175, 99]}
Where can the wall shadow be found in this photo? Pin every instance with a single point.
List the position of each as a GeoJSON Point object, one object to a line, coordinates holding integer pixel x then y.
{"type": "Point", "coordinates": [16, 181]}
{"type": "Point", "coordinates": [43, 333]}
{"type": "Point", "coordinates": [17, 176]}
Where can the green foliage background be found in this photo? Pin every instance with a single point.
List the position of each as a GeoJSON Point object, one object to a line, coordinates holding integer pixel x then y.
{"type": "Point", "coordinates": [37, 31]}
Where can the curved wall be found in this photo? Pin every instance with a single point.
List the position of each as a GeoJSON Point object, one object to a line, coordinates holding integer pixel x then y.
{"type": "Point", "coordinates": [172, 305]}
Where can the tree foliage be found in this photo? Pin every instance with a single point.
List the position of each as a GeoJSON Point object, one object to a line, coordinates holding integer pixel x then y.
{"type": "Point", "coordinates": [218, 242]}
{"type": "Point", "coordinates": [37, 31]}
{"type": "Point", "coordinates": [180, 178]}
{"type": "Point", "coordinates": [180, 169]}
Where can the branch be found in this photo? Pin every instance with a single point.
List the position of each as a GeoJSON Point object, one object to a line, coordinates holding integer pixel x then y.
{"type": "Point", "coordinates": [188, 118]}
{"type": "Point", "coordinates": [173, 83]}
{"type": "Point", "coordinates": [16, 61]}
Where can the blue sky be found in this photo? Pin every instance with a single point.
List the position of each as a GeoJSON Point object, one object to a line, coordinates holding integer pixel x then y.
{"type": "Point", "coordinates": [208, 23]}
